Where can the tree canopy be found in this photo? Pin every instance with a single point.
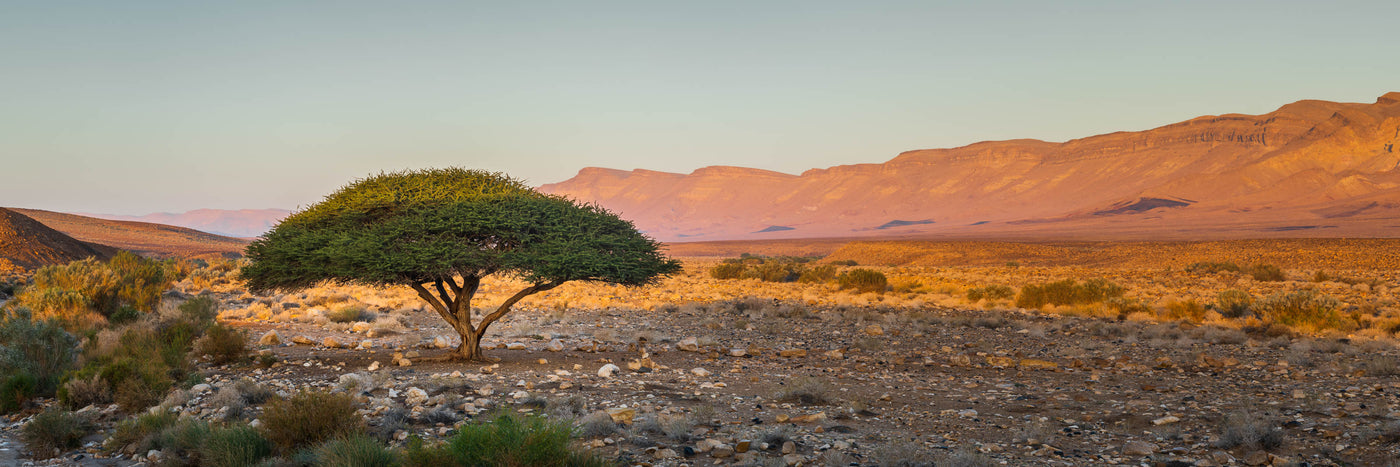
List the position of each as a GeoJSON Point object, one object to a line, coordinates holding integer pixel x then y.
{"type": "Point", "coordinates": [440, 231]}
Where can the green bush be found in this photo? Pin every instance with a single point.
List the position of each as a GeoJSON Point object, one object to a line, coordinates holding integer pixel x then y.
{"type": "Point", "coordinates": [1068, 292]}
{"type": "Point", "coordinates": [1211, 267]}
{"type": "Point", "coordinates": [774, 271]}
{"type": "Point", "coordinates": [506, 440]}
{"type": "Point", "coordinates": [235, 446]}
{"type": "Point", "coordinates": [847, 262]}
{"type": "Point", "coordinates": [1233, 303]}
{"type": "Point", "coordinates": [823, 273]}
{"type": "Point", "coordinates": [308, 418]}
{"type": "Point", "coordinates": [54, 431]}
{"type": "Point", "coordinates": [184, 439]}
{"type": "Point", "coordinates": [349, 314]}
{"type": "Point", "coordinates": [355, 451]}
{"type": "Point", "coordinates": [15, 390]}
{"type": "Point", "coordinates": [37, 352]}
{"type": "Point", "coordinates": [725, 271]}
{"type": "Point", "coordinates": [990, 292]}
{"type": "Point", "coordinates": [1305, 310]}
{"type": "Point", "coordinates": [222, 344]}
{"type": "Point", "coordinates": [140, 434]}
{"type": "Point", "coordinates": [84, 293]}
{"type": "Point", "coordinates": [863, 280]}
{"type": "Point", "coordinates": [1267, 273]}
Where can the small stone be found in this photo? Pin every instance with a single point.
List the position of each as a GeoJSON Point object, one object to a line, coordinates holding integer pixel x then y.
{"type": "Point", "coordinates": [874, 330]}
{"type": "Point", "coordinates": [738, 352]}
{"type": "Point", "coordinates": [270, 338]}
{"type": "Point", "coordinates": [415, 397]}
{"type": "Point", "coordinates": [623, 415]}
{"type": "Point", "coordinates": [441, 342]}
{"type": "Point", "coordinates": [689, 344]}
{"type": "Point", "coordinates": [555, 345]}
{"type": "Point", "coordinates": [742, 446]}
{"type": "Point", "coordinates": [405, 362]}
{"type": "Point", "coordinates": [782, 418]}
{"type": "Point", "coordinates": [665, 454]}
{"type": "Point", "coordinates": [722, 451]}
{"type": "Point", "coordinates": [201, 388]}
{"type": "Point", "coordinates": [967, 413]}
{"type": "Point", "coordinates": [374, 365]}
{"type": "Point", "coordinates": [331, 342]}
{"type": "Point", "coordinates": [1165, 420]}
{"type": "Point", "coordinates": [302, 340]}
{"type": "Point", "coordinates": [1256, 458]}
{"type": "Point", "coordinates": [793, 353]}
{"type": "Point", "coordinates": [1138, 448]}
{"type": "Point", "coordinates": [701, 372]}
{"type": "Point", "coordinates": [515, 346]}
{"type": "Point", "coordinates": [706, 445]}
{"type": "Point", "coordinates": [607, 371]}
{"type": "Point", "coordinates": [1033, 364]}
{"type": "Point", "coordinates": [360, 326]}
{"type": "Point", "coordinates": [789, 447]}
{"type": "Point", "coordinates": [810, 418]}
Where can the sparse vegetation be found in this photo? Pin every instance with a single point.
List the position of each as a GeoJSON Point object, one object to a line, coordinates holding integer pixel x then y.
{"type": "Point", "coordinates": [310, 417]}
{"type": "Point", "coordinates": [990, 292]}
{"type": "Point", "coordinates": [34, 355]}
{"type": "Point", "coordinates": [1068, 292]}
{"type": "Point", "coordinates": [1303, 309]}
{"type": "Point", "coordinates": [505, 439]}
{"type": "Point", "coordinates": [863, 280]}
{"type": "Point", "coordinates": [53, 431]}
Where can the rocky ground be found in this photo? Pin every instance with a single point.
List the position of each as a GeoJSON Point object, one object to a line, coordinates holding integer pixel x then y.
{"type": "Point", "coordinates": [793, 381]}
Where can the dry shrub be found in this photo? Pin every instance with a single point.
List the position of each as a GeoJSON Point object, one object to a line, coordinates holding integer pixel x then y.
{"type": "Point", "coordinates": [82, 392]}
{"type": "Point", "coordinates": [1306, 310]}
{"type": "Point", "coordinates": [1189, 310]}
{"type": "Point", "coordinates": [308, 418]}
{"type": "Point", "coordinates": [222, 344]}
{"type": "Point", "coordinates": [806, 391]}
{"type": "Point", "coordinates": [863, 280]}
{"type": "Point", "coordinates": [54, 431]}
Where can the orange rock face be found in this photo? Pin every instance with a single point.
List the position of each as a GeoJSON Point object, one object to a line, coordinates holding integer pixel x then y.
{"type": "Point", "coordinates": [1311, 168]}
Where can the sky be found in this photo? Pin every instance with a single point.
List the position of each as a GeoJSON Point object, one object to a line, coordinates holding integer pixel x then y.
{"type": "Point", "coordinates": [136, 107]}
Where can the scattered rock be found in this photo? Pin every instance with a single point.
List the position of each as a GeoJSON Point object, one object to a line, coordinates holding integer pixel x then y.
{"type": "Point", "coordinates": [607, 371]}
{"type": "Point", "coordinates": [689, 344]}
{"type": "Point", "coordinates": [555, 345]}
{"type": "Point", "coordinates": [1138, 448]}
{"type": "Point", "coordinates": [270, 338]}
{"type": "Point", "coordinates": [623, 415]}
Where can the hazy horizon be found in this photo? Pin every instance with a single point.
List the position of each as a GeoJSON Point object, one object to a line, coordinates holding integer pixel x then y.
{"type": "Point", "coordinates": [139, 108]}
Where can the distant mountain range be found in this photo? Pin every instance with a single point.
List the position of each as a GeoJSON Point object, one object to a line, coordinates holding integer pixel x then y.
{"type": "Point", "coordinates": [143, 238]}
{"type": "Point", "coordinates": [243, 223]}
{"type": "Point", "coordinates": [28, 244]}
{"type": "Point", "coordinates": [1309, 169]}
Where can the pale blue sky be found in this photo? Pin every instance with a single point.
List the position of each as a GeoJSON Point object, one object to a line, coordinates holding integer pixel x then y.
{"type": "Point", "coordinates": [134, 107]}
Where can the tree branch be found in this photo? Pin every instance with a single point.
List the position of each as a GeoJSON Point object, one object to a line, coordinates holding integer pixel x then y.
{"type": "Point", "coordinates": [448, 299]}
{"type": "Point", "coordinates": [437, 305]}
{"type": "Point", "coordinates": [505, 307]}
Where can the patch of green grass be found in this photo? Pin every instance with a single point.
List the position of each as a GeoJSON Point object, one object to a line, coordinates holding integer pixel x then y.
{"type": "Point", "coordinates": [506, 439]}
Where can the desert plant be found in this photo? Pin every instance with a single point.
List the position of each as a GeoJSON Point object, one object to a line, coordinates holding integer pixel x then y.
{"type": "Point", "coordinates": [1266, 273]}
{"type": "Point", "coordinates": [349, 314]}
{"type": "Point", "coordinates": [1212, 267]}
{"type": "Point", "coordinates": [506, 439]}
{"type": "Point", "coordinates": [1067, 292]}
{"type": "Point", "coordinates": [1189, 310]}
{"type": "Point", "coordinates": [77, 393]}
{"type": "Point", "coordinates": [140, 434]}
{"type": "Point", "coordinates": [725, 271]}
{"type": "Point", "coordinates": [234, 446]}
{"type": "Point", "coordinates": [990, 292]}
{"type": "Point", "coordinates": [426, 229]}
{"type": "Point", "coordinates": [1248, 430]}
{"type": "Point", "coordinates": [863, 280]}
{"type": "Point", "coordinates": [53, 431]}
{"type": "Point", "coordinates": [222, 344]}
{"type": "Point", "coordinates": [806, 391]}
{"type": "Point", "coordinates": [355, 450]}
{"type": "Point", "coordinates": [1233, 303]}
{"type": "Point", "coordinates": [308, 418]}
{"type": "Point", "coordinates": [823, 273]}
{"type": "Point", "coordinates": [1303, 309]}
{"type": "Point", "coordinates": [34, 354]}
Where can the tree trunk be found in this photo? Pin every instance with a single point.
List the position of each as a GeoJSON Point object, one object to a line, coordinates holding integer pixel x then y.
{"type": "Point", "coordinates": [470, 350]}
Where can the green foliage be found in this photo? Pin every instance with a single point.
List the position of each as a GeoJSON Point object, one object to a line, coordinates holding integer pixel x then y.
{"type": "Point", "coordinates": [725, 271]}
{"type": "Point", "coordinates": [1305, 310]}
{"type": "Point", "coordinates": [990, 292]}
{"type": "Point", "coordinates": [819, 274]}
{"type": "Point", "coordinates": [149, 356]}
{"type": "Point", "coordinates": [420, 226]}
{"type": "Point", "coordinates": [1067, 292]}
{"type": "Point", "coordinates": [863, 280]}
{"type": "Point", "coordinates": [1267, 273]}
{"type": "Point", "coordinates": [222, 344]}
{"type": "Point", "coordinates": [308, 418]}
{"type": "Point", "coordinates": [54, 431]}
{"type": "Point", "coordinates": [38, 352]}
{"type": "Point", "coordinates": [84, 293]}
{"type": "Point", "coordinates": [506, 440]}
{"type": "Point", "coordinates": [184, 438]}
{"type": "Point", "coordinates": [141, 433]}
{"type": "Point", "coordinates": [1212, 267]}
{"type": "Point", "coordinates": [355, 451]}
{"type": "Point", "coordinates": [847, 262]}
{"type": "Point", "coordinates": [235, 446]}
{"type": "Point", "coordinates": [16, 389]}
{"type": "Point", "coordinates": [349, 314]}
{"type": "Point", "coordinates": [1189, 310]}
{"type": "Point", "coordinates": [1233, 303]}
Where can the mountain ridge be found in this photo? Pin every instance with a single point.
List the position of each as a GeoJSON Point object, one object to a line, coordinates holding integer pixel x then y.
{"type": "Point", "coordinates": [27, 244]}
{"type": "Point", "coordinates": [1246, 175]}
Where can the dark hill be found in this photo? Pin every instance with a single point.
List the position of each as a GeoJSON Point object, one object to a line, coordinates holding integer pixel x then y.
{"type": "Point", "coordinates": [28, 244]}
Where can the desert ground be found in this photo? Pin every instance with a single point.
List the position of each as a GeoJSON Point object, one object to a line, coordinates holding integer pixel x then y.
{"type": "Point", "coordinates": [704, 371]}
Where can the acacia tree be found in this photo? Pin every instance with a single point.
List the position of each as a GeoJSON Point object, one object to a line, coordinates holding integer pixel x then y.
{"type": "Point", "coordinates": [440, 232]}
